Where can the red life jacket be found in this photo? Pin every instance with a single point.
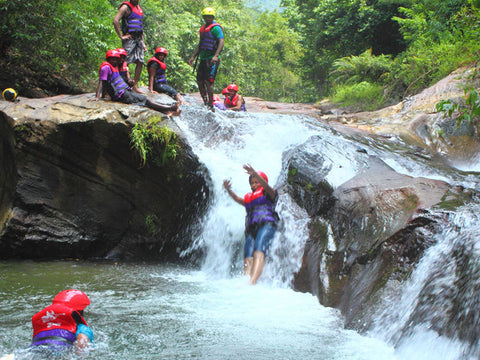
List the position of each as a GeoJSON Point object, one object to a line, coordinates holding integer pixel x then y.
{"type": "Point", "coordinates": [260, 209]}
{"type": "Point", "coordinates": [56, 316]}
{"type": "Point", "coordinates": [207, 40]}
{"type": "Point", "coordinates": [160, 73]}
{"type": "Point", "coordinates": [133, 22]}
{"type": "Point", "coordinates": [231, 102]}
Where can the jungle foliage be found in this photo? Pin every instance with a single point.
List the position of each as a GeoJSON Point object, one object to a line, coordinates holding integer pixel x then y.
{"type": "Point", "coordinates": [309, 50]}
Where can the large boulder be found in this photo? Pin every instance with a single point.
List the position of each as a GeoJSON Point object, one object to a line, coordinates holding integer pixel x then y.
{"type": "Point", "coordinates": [365, 231]}
{"type": "Point", "coordinates": [73, 187]}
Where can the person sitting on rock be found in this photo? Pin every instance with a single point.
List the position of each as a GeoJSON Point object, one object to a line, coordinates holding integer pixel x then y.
{"type": "Point", "coordinates": [109, 78]}
{"type": "Point", "coordinates": [157, 80]}
{"type": "Point", "coordinates": [234, 101]}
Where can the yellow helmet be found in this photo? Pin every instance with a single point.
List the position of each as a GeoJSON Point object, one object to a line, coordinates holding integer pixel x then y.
{"type": "Point", "coordinates": [9, 94]}
{"type": "Point", "coordinates": [208, 11]}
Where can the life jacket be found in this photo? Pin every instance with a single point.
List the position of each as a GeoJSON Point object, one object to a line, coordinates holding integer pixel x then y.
{"type": "Point", "coordinates": [124, 71]}
{"type": "Point", "coordinates": [229, 103]}
{"type": "Point", "coordinates": [55, 326]}
{"type": "Point", "coordinates": [132, 23]}
{"type": "Point", "coordinates": [117, 84]}
{"type": "Point", "coordinates": [260, 209]}
{"type": "Point", "coordinates": [207, 40]}
{"type": "Point", "coordinates": [160, 73]}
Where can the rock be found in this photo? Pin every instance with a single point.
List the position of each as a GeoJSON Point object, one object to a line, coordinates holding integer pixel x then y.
{"type": "Point", "coordinates": [365, 232]}
{"type": "Point", "coordinates": [73, 187]}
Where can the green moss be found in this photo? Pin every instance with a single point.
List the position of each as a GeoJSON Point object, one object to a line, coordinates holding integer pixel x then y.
{"type": "Point", "coordinates": [151, 222]}
{"type": "Point", "coordinates": [155, 142]}
{"type": "Point", "coordinates": [291, 174]}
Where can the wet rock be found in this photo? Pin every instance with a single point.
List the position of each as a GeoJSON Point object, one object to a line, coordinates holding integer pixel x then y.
{"type": "Point", "coordinates": [73, 187]}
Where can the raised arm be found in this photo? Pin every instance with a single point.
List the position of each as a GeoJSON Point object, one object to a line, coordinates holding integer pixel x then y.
{"type": "Point", "coordinates": [228, 186]}
{"type": "Point", "coordinates": [272, 193]}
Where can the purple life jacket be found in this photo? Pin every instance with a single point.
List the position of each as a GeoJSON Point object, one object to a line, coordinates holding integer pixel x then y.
{"type": "Point", "coordinates": [260, 209]}
{"type": "Point", "coordinates": [207, 40]}
{"type": "Point", "coordinates": [134, 21]}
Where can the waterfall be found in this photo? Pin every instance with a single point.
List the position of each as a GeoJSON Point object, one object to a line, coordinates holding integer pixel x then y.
{"type": "Point", "coordinates": [224, 141]}
{"type": "Point", "coordinates": [419, 316]}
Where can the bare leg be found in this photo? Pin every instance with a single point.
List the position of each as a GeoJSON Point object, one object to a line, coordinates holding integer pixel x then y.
{"type": "Point", "coordinates": [138, 72]}
{"type": "Point", "coordinates": [210, 92]}
{"type": "Point", "coordinates": [179, 98]}
{"type": "Point", "coordinates": [203, 91]}
{"type": "Point", "coordinates": [166, 109]}
{"type": "Point", "coordinates": [258, 262]}
{"type": "Point", "coordinates": [247, 271]}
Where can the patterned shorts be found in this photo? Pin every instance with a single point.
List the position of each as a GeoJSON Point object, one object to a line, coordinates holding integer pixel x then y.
{"type": "Point", "coordinates": [134, 48]}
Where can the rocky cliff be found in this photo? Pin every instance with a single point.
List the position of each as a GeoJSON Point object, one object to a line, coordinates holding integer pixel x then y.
{"type": "Point", "coordinates": [71, 186]}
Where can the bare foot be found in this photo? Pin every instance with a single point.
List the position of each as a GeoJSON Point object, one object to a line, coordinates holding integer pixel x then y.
{"type": "Point", "coordinates": [174, 113]}
{"type": "Point", "coordinates": [137, 90]}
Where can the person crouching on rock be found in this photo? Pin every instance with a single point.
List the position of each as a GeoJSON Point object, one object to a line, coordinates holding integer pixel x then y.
{"type": "Point", "coordinates": [157, 81]}
{"type": "Point", "coordinates": [234, 101]}
{"type": "Point", "coordinates": [61, 325]}
{"type": "Point", "coordinates": [261, 220]}
{"type": "Point", "coordinates": [109, 77]}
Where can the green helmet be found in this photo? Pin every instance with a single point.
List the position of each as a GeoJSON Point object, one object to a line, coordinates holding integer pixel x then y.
{"type": "Point", "coordinates": [208, 11]}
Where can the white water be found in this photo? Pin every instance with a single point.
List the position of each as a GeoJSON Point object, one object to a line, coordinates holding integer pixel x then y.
{"type": "Point", "coordinates": [158, 312]}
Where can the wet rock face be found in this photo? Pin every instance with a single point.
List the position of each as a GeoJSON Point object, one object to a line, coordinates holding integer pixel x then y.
{"type": "Point", "coordinates": [72, 186]}
{"type": "Point", "coordinates": [370, 229]}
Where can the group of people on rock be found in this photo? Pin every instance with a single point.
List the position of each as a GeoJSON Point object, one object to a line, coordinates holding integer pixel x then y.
{"type": "Point", "coordinates": [115, 79]}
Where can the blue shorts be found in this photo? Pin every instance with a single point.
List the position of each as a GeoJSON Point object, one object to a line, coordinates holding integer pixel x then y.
{"type": "Point", "coordinates": [260, 241]}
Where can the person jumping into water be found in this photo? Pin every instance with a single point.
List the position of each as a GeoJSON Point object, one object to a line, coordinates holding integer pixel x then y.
{"type": "Point", "coordinates": [261, 220]}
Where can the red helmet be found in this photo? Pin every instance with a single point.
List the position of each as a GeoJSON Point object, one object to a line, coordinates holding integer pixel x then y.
{"type": "Point", "coordinates": [161, 50]}
{"type": "Point", "coordinates": [232, 87]}
{"type": "Point", "coordinates": [263, 175]}
{"type": "Point", "coordinates": [225, 91]}
{"type": "Point", "coordinates": [112, 53]}
{"type": "Point", "coordinates": [74, 299]}
{"type": "Point", "coordinates": [121, 51]}
{"type": "Point", "coordinates": [215, 98]}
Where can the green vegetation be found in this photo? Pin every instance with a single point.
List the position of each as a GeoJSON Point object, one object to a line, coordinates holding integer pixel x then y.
{"type": "Point", "coordinates": [151, 221]}
{"type": "Point", "coordinates": [304, 52]}
{"type": "Point", "coordinates": [469, 112]}
{"type": "Point", "coordinates": [155, 142]}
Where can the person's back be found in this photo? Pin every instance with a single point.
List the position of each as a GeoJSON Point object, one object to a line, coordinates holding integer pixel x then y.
{"type": "Point", "coordinates": [61, 325]}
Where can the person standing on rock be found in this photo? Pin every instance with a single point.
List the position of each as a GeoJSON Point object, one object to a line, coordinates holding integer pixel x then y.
{"type": "Point", "coordinates": [131, 34]}
{"type": "Point", "coordinates": [261, 220]}
{"type": "Point", "coordinates": [208, 51]}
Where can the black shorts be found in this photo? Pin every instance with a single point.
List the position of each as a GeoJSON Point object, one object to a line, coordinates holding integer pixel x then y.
{"type": "Point", "coordinates": [166, 89]}
{"type": "Point", "coordinates": [207, 70]}
{"type": "Point", "coordinates": [131, 97]}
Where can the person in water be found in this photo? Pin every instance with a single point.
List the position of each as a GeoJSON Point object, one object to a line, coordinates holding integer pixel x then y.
{"type": "Point", "coordinates": [234, 101]}
{"type": "Point", "coordinates": [208, 51]}
{"type": "Point", "coordinates": [261, 220]}
{"type": "Point", "coordinates": [62, 325]}
{"type": "Point", "coordinates": [110, 79]}
{"type": "Point", "coordinates": [131, 34]}
{"type": "Point", "coordinates": [157, 80]}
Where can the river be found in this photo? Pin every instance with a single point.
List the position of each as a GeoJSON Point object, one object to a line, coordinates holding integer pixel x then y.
{"type": "Point", "coordinates": [162, 311]}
